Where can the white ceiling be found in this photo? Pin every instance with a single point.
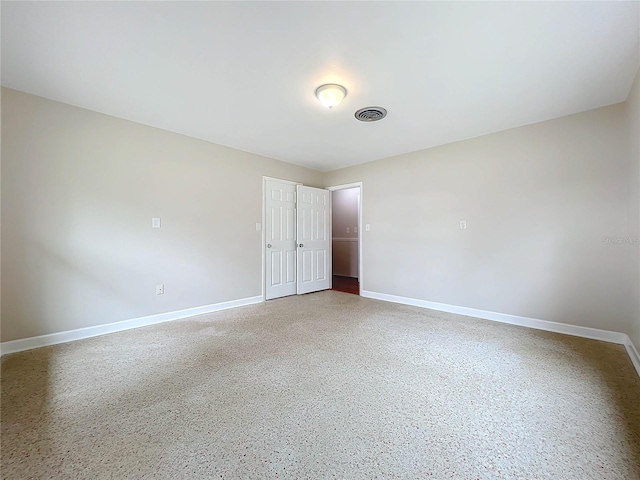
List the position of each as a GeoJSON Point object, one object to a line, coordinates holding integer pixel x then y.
{"type": "Point", "coordinates": [244, 74]}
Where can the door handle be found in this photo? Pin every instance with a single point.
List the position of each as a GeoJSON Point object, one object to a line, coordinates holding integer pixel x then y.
{"type": "Point", "coordinates": [301, 245]}
{"type": "Point", "coordinates": [268, 245]}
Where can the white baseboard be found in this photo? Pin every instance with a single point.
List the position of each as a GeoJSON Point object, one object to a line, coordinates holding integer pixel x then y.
{"type": "Point", "coordinates": [70, 335]}
{"type": "Point", "coordinates": [20, 345]}
{"type": "Point", "coordinates": [556, 327]}
{"type": "Point", "coordinates": [633, 354]}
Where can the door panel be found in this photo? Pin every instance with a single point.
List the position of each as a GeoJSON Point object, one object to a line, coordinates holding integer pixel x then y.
{"type": "Point", "coordinates": [321, 262]}
{"type": "Point", "coordinates": [280, 239]}
{"type": "Point", "coordinates": [314, 239]}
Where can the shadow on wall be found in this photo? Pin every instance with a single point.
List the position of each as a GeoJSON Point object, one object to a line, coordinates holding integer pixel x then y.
{"type": "Point", "coordinates": [59, 292]}
{"type": "Point", "coordinates": [86, 272]}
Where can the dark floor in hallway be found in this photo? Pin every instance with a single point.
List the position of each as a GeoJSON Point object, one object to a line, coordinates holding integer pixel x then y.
{"type": "Point", "coordinates": [346, 284]}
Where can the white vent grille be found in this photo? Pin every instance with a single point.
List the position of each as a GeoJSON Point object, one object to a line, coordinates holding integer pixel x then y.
{"type": "Point", "coordinates": [371, 114]}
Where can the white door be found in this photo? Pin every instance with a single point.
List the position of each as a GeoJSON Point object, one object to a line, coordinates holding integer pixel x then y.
{"type": "Point", "coordinates": [314, 239]}
{"type": "Point", "coordinates": [280, 239]}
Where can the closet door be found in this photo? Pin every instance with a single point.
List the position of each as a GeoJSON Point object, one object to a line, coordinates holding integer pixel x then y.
{"type": "Point", "coordinates": [314, 239]}
{"type": "Point", "coordinates": [280, 239]}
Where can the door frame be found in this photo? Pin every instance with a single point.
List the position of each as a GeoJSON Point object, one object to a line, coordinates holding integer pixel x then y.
{"type": "Point", "coordinates": [360, 236]}
{"type": "Point", "coordinates": [263, 229]}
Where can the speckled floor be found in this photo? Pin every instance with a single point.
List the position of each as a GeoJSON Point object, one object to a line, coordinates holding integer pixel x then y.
{"type": "Point", "coordinates": [327, 385]}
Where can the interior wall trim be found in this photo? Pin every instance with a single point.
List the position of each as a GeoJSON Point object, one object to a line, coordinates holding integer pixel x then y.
{"type": "Point", "coordinates": [633, 353]}
{"type": "Point", "coordinates": [546, 325]}
{"type": "Point", "coordinates": [22, 344]}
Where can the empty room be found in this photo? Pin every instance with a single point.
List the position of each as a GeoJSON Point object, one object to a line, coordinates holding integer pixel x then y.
{"type": "Point", "coordinates": [320, 240]}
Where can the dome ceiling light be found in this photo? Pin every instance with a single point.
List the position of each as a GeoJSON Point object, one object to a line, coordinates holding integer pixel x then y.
{"type": "Point", "coordinates": [331, 94]}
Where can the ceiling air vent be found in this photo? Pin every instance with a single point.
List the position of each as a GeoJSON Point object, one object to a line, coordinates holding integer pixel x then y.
{"type": "Point", "coordinates": [371, 114]}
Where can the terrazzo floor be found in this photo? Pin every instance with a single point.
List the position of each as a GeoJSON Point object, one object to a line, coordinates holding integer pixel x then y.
{"type": "Point", "coordinates": [326, 385]}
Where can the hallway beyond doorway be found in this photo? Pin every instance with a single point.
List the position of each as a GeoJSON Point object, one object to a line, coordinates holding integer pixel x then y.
{"type": "Point", "coordinates": [346, 284]}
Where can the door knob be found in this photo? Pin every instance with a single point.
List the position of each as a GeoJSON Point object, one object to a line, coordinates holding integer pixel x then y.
{"type": "Point", "coordinates": [301, 245]}
{"type": "Point", "coordinates": [268, 245]}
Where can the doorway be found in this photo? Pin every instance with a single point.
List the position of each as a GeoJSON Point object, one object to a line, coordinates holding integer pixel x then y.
{"type": "Point", "coordinates": [346, 206]}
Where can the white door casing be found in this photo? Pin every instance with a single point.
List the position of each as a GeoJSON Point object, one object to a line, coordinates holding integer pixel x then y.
{"type": "Point", "coordinates": [280, 239]}
{"type": "Point", "coordinates": [359, 185]}
{"type": "Point", "coordinates": [314, 239]}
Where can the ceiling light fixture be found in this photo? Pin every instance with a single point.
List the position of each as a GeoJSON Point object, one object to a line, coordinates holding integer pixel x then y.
{"type": "Point", "coordinates": [331, 94]}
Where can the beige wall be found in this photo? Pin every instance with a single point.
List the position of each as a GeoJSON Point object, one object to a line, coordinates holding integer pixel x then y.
{"type": "Point", "coordinates": [344, 220]}
{"type": "Point", "coordinates": [538, 201]}
{"type": "Point", "coordinates": [633, 123]}
{"type": "Point", "coordinates": [79, 190]}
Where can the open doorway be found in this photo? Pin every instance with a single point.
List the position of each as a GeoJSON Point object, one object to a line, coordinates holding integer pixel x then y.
{"type": "Point", "coordinates": [346, 234]}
